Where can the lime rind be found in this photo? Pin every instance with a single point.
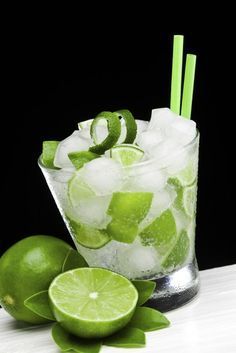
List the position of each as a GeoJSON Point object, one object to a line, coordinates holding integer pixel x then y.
{"type": "Point", "coordinates": [131, 125]}
{"type": "Point", "coordinates": [114, 131]}
{"type": "Point", "coordinates": [126, 154]}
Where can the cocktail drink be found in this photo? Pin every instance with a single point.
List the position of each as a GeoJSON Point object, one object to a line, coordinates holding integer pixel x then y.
{"type": "Point", "coordinates": [126, 190]}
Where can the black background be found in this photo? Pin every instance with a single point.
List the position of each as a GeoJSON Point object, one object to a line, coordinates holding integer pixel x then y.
{"type": "Point", "coordinates": [65, 75]}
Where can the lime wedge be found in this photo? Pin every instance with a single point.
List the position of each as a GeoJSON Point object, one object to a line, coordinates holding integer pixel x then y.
{"type": "Point", "coordinates": [127, 210]}
{"type": "Point", "coordinates": [178, 253]}
{"type": "Point", "coordinates": [161, 232]}
{"type": "Point", "coordinates": [127, 154]}
{"type": "Point", "coordinates": [80, 158]}
{"type": "Point", "coordinates": [92, 302]}
{"type": "Point", "coordinates": [78, 190]}
{"type": "Point", "coordinates": [49, 150]}
{"type": "Point", "coordinates": [87, 236]}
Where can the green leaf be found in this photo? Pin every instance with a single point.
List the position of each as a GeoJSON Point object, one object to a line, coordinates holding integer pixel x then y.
{"type": "Point", "coordinates": [126, 338]}
{"type": "Point", "coordinates": [80, 158]}
{"type": "Point", "coordinates": [49, 150]}
{"type": "Point", "coordinates": [66, 341]}
{"type": "Point", "coordinates": [145, 290]}
{"type": "Point", "coordinates": [148, 319]}
{"type": "Point", "coordinates": [73, 260]}
{"type": "Point", "coordinates": [39, 304]}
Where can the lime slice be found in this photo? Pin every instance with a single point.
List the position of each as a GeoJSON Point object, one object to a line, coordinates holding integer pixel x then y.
{"type": "Point", "coordinates": [178, 253]}
{"type": "Point", "coordinates": [185, 198]}
{"type": "Point", "coordinates": [87, 236]}
{"type": "Point", "coordinates": [80, 158]}
{"type": "Point", "coordinates": [189, 200]}
{"type": "Point", "coordinates": [161, 232]}
{"type": "Point", "coordinates": [78, 190]}
{"type": "Point", "coordinates": [48, 154]}
{"type": "Point", "coordinates": [114, 130]}
{"type": "Point", "coordinates": [127, 154]}
{"type": "Point", "coordinates": [92, 302]}
{"type": "Point", "coordinates": [127, 210]}
{"type": "Point", "coordinates": [187, 176]}
{"type": "Point", "coordinates": [131, 126]}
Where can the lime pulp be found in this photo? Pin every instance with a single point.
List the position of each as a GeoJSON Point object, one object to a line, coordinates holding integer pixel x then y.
{"type": "Point", "coordinates": [92, 302]}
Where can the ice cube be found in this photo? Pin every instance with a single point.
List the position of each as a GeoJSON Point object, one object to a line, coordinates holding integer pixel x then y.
{"type": "Point", "coordinates": [171, 155]}
{"type": "Point", "coordinates": [148, 178]}
{"type": "Point", "coordinates": [137, 260]}
{"type": "Point", "coordinates": [182, 130]}
{"type": "Point", "coordinates": [103, 175]}
{"type": "Point", "coordinates": [161, 118]}
{"type": "Point", "coordinates": [142, 126]}
{"type": "Point", "coordinates": [73, 143]}
{"type": "Point", "coordinates": [64, 175]}
{"type": "Point", "coordinates": [92, 211]}
{"type": "Point", "coordinates": [148, 139]}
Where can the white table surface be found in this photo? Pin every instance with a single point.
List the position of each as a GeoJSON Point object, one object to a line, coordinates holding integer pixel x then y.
{"type": "Point", "coordinates": [206, 325]}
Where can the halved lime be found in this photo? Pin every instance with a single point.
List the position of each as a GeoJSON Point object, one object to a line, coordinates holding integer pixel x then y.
{"type": "Point", "coordinates": [127, 210]}
{"type": "Point", "coordinates": [78, 189]}
{"type": "Point", "coordinates": [92, 302]}
{"type": "Point", "coordinates": [127, 154]}
{"type": "Point", "coordinates": [161, 233]}
{"type": "Point", "coordinates": [88, 236]}
{"type": "Point", "coordinates": [178, 253]}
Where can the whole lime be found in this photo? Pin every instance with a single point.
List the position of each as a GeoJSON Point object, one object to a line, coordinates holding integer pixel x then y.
{"type": "Point", "coordinates": [26, 268]}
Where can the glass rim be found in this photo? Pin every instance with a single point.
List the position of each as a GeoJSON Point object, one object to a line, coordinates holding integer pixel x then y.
{"type": "Point", "coordinates": [137, 165]}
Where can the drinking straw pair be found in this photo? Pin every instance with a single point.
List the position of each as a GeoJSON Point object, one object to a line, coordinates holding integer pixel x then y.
{"type": "Point", "coordinates": [176, 80]}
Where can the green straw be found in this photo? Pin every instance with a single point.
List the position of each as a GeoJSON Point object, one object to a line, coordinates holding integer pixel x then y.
{"type": "Point", "coordinates": [188, 86]}
{"type": "Point", "coordinates": [176, 73]}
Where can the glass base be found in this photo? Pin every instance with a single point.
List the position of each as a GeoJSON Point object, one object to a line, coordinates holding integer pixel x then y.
{"type": "Point", "coordinates": [175, 289]}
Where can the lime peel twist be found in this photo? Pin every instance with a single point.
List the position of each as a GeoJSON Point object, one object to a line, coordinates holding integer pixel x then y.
{"type": "Point", "coordinates": [114, 129]}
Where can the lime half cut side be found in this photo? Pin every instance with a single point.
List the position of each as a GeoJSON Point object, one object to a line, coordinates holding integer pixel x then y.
{"type": "Point", "coordinates": [127, 154]}
{"type": "Point", "coordinates": [92, 302]}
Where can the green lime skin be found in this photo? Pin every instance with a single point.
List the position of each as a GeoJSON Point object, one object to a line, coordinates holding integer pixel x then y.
{"type": "Point", "coordinates": [26, 268]}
